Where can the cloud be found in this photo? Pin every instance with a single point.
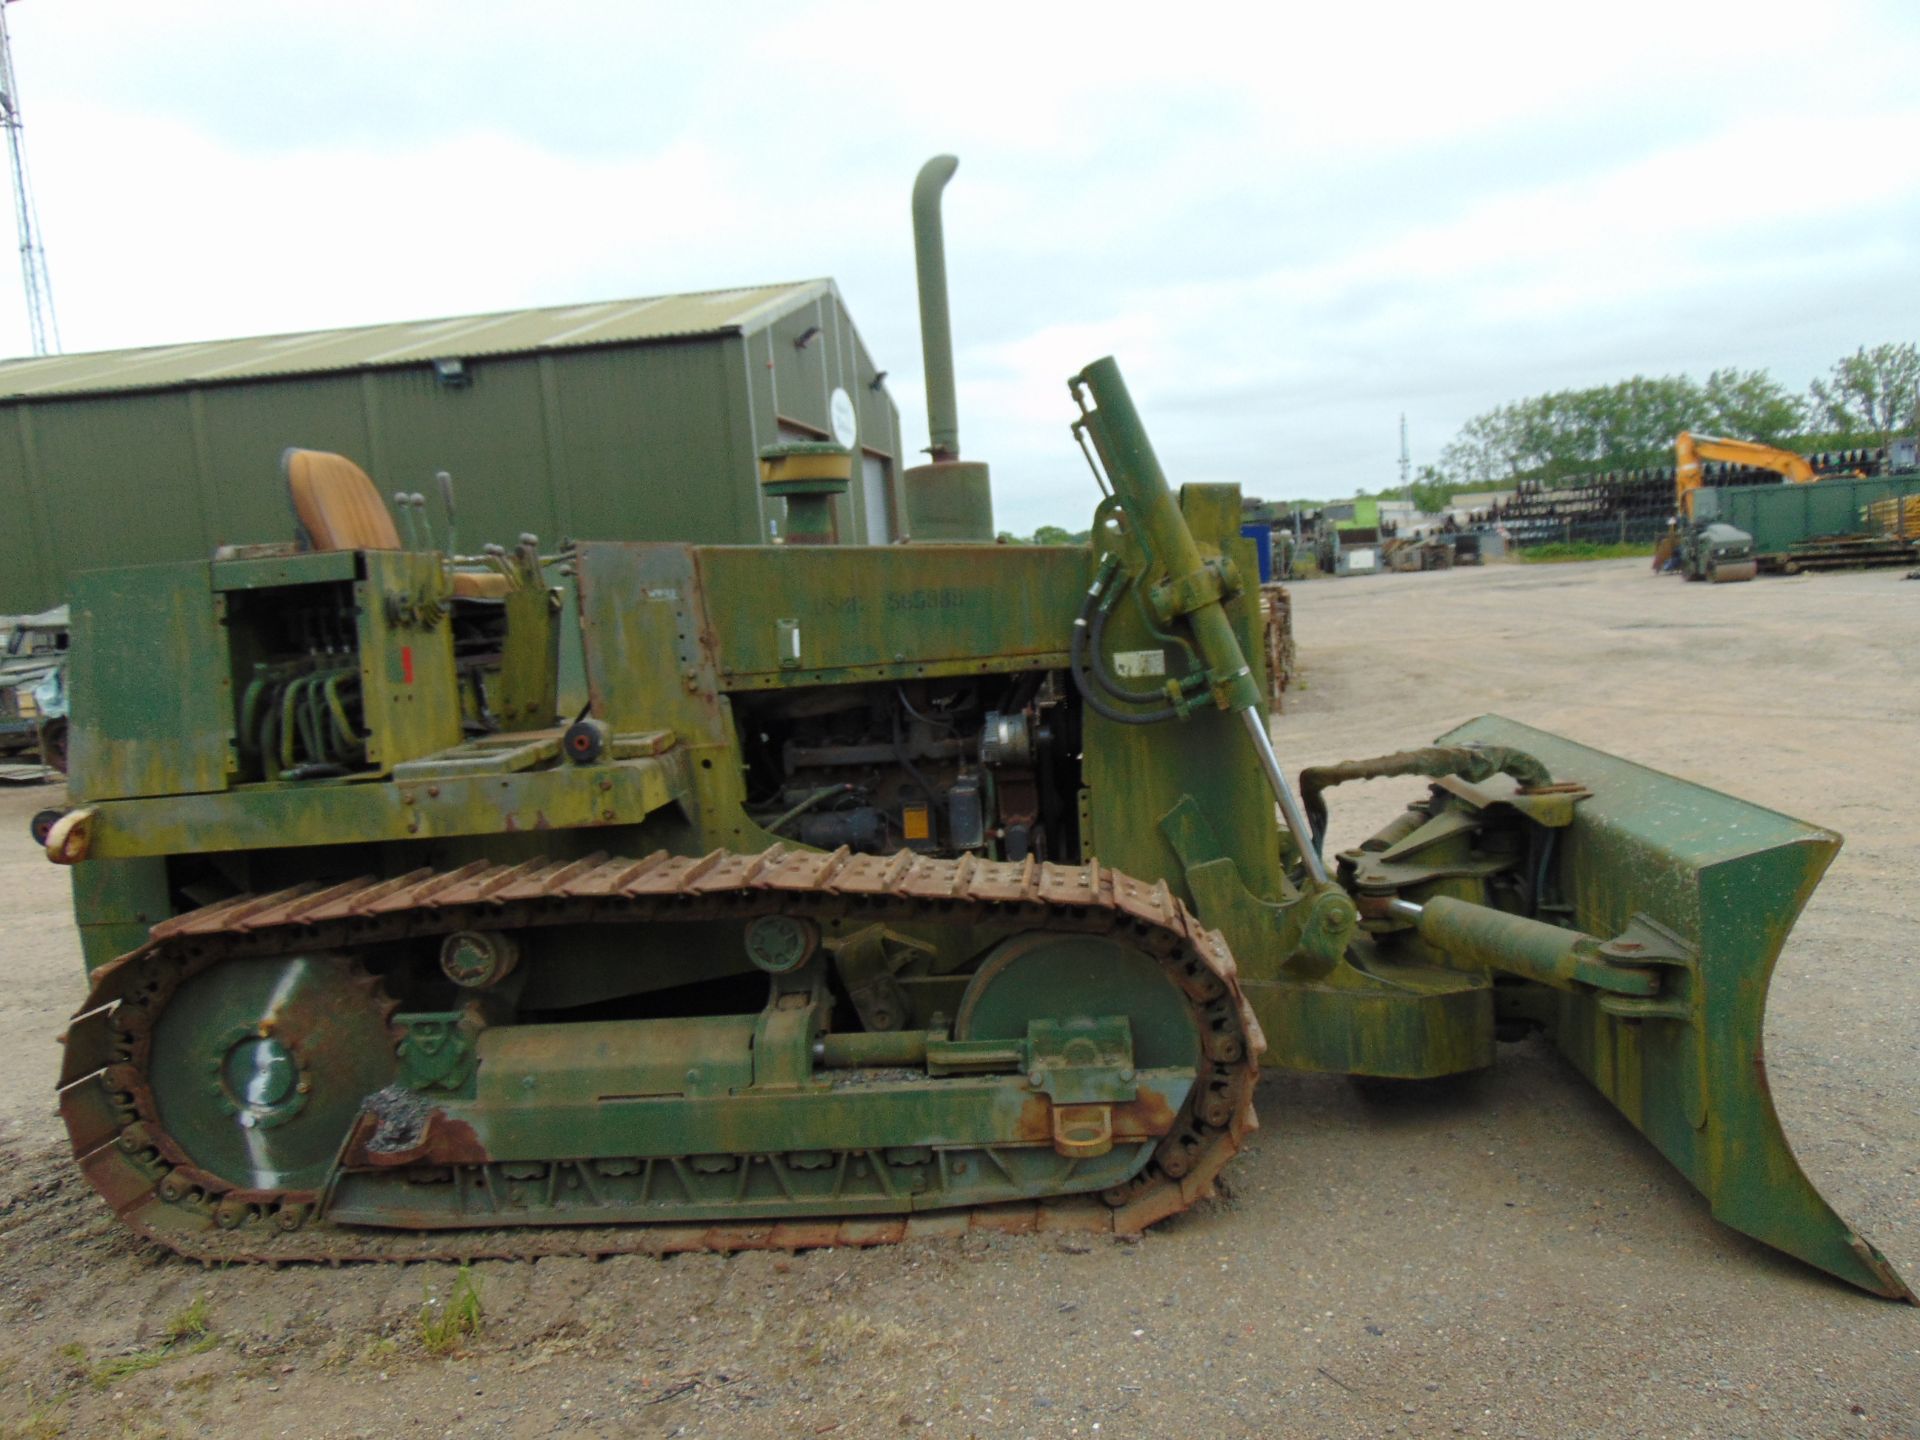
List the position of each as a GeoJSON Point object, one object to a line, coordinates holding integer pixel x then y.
{"type": "Point", "coordinates": [1290, 224]}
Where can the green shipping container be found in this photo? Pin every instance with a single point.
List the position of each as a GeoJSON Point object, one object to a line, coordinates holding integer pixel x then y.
{"type": "Point", "coordinates": [622, 420]}
{"type": "Point", "coordinates": [1782, 516]}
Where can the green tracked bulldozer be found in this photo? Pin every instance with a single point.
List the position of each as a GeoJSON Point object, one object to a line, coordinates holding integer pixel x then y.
{"type": "Point", "coordinates": [860, 892]}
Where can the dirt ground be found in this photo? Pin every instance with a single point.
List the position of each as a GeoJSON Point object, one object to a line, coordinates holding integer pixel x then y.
{"type": "Point", "coordinates": [1496, 1256]}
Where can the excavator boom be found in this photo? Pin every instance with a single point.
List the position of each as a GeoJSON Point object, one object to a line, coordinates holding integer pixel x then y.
{"type": "Point", "coordinates": [1690, 451]}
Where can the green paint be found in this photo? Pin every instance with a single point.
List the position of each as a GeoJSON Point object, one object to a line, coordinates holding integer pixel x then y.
{"type": "Point", "coordinates": [692, 1070]}
{"type": "Point", "coordinates": [1729, 878]}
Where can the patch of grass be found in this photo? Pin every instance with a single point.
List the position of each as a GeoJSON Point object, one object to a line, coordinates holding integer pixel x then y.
{"type": "Point", "coordinates": [444, 1328]}
{"type": "Point", "coordinates": [187, 1332]}
{"type": "Point", "coordinates": [43, 1422]}
{"type": "Point", "coordinates": [350, 1350]}
{"type": "Point", "coordinates": [189, 1324]}
{"type": "Point", "coordinates": [111, 1371]}
{"type": "Point", "coordinates": [1560, 553]}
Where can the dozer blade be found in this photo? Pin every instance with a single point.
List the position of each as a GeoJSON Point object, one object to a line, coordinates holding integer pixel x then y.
{"type": "Point", "coordinates": [1728, 878]}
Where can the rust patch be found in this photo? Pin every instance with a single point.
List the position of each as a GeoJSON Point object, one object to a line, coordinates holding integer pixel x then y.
{"type": "Point", "coordinates": [444, 1141]}
{"type": "Point", "coordinates": [1012, 1221]}
{"type": "Point", "coordinates": [1035, 1125]}
{"type": "Point", "coordinates": [1145, 1117]}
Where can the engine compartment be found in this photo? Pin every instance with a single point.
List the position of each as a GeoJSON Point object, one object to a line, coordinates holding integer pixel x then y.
{"type": "Point", "coordinates": [986, 765]}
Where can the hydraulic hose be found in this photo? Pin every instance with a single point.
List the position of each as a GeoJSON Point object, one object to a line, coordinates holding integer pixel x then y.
{"type": "Point", "coordinates": [1109, 682]}
{"type": "Point", "coordinates": [1471, 762]}
{"type": "Point", "coordinates": [1077, 663]}
{"type": "Point", "coordinates": [250, 703]}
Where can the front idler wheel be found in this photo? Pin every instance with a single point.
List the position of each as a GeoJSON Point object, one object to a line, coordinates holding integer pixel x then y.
{"type": "Point", "coordinates": [260, 1068]}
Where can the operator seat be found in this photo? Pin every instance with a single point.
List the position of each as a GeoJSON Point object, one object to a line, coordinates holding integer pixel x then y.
{"type": "Point", "coordinates": [335, 506]}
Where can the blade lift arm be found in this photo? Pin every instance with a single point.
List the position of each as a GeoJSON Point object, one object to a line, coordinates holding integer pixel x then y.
{"type": "Point", "coordinates": [1191, 590]}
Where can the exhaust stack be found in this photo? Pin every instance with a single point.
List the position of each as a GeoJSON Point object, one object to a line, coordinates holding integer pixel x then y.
{"type": "Point", "coordinates": [936, 325]}
{"type": "Point", "coordinates": [948, 499]}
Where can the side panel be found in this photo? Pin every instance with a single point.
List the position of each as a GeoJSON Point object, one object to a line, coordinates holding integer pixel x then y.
{"type": "Point", "coordinates": [646, 669]}
{"type": "Point", "coordinates": [412, 705]}
{"type": "Point", "coordinates": [114, 902]}
{"type": "Point", "coordinates": [27, 568]}
{"type": "Point", "coordinates": [152, 702]}
{"type": "Point", "coordinates": [1137, 774]}
{"type": "Point", "coordinates": [797, 615]}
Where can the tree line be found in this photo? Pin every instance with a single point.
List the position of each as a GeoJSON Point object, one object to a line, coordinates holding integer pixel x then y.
{"type": "Point", "coordinates": [1864, 400]}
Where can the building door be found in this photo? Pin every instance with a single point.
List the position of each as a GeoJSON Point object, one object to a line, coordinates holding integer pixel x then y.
{"type": "Point", "coordinates": [876, 493]}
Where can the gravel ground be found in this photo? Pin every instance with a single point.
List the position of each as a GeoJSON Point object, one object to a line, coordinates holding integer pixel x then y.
{"type": "Point", "coordinates": [1499, 1255]}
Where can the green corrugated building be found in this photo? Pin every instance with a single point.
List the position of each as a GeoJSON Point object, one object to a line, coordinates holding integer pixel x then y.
{"type": "Point", "coordinates": [627, 419]}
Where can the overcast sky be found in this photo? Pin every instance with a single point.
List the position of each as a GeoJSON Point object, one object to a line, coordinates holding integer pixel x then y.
{"type": "Point", "coordinates": [1289, 223]}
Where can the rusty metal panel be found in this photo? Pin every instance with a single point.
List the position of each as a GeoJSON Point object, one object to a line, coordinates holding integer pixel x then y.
{"type": "Point", "coordinates": [152, 691]}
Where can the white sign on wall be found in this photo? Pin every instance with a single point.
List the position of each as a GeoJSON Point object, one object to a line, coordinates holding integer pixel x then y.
{"type": "Point", "coordinates": [844, 418]}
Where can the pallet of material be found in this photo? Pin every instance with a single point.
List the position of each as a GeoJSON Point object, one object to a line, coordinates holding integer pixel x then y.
{"type": "Point", "coordinates": [1895, 516]}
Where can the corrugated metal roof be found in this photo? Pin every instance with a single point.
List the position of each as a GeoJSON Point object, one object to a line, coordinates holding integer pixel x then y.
{"type": "Point", "coordinates": [510, 332]}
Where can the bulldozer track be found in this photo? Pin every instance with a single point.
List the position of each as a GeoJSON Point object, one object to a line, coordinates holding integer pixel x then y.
{"type": "Point", "coordinates": [152, 1184]}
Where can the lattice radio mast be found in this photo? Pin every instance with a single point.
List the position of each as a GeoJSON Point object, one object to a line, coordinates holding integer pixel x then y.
{"type": "Point", "coordinates": [33, 259]}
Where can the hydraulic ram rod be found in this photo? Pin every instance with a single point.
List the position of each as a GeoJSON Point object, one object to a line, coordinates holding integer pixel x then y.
{"type": "Point", "coordinates": [1256, 724]}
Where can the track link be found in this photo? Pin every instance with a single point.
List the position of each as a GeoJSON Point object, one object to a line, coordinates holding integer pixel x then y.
{"type": "Point", "coordinates": [153, 1186]}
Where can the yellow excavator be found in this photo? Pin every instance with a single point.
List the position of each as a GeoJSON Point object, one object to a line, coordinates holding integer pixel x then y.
{"type": "Point", "coordinates": [1690, 452]}
{"type": "Point", "coordinates": [1718, 552]}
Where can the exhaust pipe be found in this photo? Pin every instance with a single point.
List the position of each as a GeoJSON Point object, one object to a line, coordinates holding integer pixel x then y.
{"type": "Point", "coordinates": [948, 499]}
{"type": "Point", "coordinates": [936, 325]}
